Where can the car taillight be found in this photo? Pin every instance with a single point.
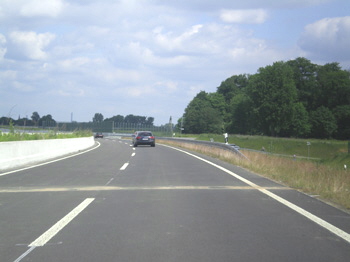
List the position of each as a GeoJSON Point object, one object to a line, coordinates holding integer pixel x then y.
{"type": "Point", "coordinates": [138, 137]}
{"type": "Point", "coordinates": [151, 137]}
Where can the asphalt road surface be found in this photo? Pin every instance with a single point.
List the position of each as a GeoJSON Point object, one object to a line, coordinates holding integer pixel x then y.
{"type": "Point", "coordinates": [119, 203]}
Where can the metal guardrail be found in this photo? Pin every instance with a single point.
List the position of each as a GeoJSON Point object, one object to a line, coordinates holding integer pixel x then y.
{"type": "Point", "coordinates": [184, 140]}
{"type": "Point", "coordinates": [282, 155]}
{"type": "Point", "coordinates": [218, 145]}
{"type": "Point", "coordinates": [223, 146]}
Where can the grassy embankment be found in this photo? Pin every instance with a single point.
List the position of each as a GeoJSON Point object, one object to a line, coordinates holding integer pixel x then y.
{"type": "Point", "coordinates": [21, 136]}
{"type": "Point", "coordinates": [317, 170]}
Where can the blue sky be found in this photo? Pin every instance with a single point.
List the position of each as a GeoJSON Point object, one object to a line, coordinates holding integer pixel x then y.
{"type": "Point", "coordinates": [151, 57]}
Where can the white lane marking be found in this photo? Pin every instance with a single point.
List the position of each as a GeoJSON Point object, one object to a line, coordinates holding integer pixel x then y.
{"type": "Point", "coordinates": [25, 254]}
{"type": "Point", "coordinates": [133, 154]}
{"type": "Point", "coordinates": [44, 238]}
{"type": "Point", "coordinates": [109, 181]}
{"type": "Point", "coordinates": [124, 166]}
{"type": "Point", "coordinates": [111, 188]}
{"type": "Point", "coordinates": [49, 162]}
{"type": "Point", "coordinates": [337, 231]}
{"type": "Point", "coordinates": [316, 219]}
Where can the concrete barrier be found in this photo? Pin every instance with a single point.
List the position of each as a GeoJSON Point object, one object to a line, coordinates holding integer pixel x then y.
{"type": "Point", "coordinates": [21, 153]}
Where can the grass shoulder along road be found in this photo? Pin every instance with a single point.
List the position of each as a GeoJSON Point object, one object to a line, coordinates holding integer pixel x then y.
{"type": "Point", "coordinates": [318, 178]}
{"type": "Point", "coordinates": [23, 136]}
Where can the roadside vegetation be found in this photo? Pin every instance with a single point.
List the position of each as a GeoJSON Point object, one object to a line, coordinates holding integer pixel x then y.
{"type": "Point", "coordinates": [295, 98]}
{"type": "Point", "coordinates": [321, 174]}
{"type": "Point", "coordinates": [321, 150]}
{"type": "Point", "coordinates": [22, 136]}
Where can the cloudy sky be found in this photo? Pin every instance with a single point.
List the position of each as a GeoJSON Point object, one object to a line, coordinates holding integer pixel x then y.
{"type": "Point", "coordinates": [151, 57]}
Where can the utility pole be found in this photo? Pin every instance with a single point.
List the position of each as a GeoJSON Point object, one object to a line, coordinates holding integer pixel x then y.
{"type": "Point", "coordinates": [171, 126]}
{"type": "Point", "coordinates": [182, 125]}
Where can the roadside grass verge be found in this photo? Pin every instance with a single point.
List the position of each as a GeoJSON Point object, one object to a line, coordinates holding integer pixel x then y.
{"type": "Point", "coordinates": [319, 148]}
{"type": "Point", "coordinates": [22, 136]}
{"type": "Point", "coordinates": [326, 182]}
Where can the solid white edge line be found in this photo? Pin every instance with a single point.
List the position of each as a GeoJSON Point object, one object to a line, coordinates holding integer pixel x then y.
{"type": "Point", "coordinates": [309, 215]}
{"type": "Point", "coordinates": [25, 254]}
{"type": "Point", "coordinates": [124, 166]}
{"type": "Point", "coordinates": [335, 230]}
{"type": "Point", "coordinates": [52, 161]}
{"type": "Point", "coordinates": [50, 233]}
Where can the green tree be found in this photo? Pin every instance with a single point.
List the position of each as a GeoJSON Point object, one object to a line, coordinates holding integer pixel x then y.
{"type": "Point", "coordinates": [35, 117]}
{"type": "Point", "coordinates": [342, 116]}
{"type": "Point", "coordinates": [5, 120]}
{"type": "Point", "coordinates": [217, 101]}
{"type": "Point", "coordinates": [47, 121]}
{"type": "Point", "coordinates": [116, 119]}
{"type": "Point", "coordinates": [273, 94]}
{"type": "Point", "coordinates": [305, 80]}
{"type": "Point", "coordinates": [201, 117]}
{"type": "Point", "coordinates": [300, 124]}
{"type": "Point", "coordinates": [133, 119]}
{"type": "Point", "coordinates": [241, 115]}
{"type": "Point", "coordinates": [323, 123]}
{"type": "Point", "coordinates": [295, 98]}
{"type": "Point", "coordinates": [98, 118]}
{"type": "Point", "coordinates": [334, 86]}
{"type": "Point", "coordinates": [233, 86]}
{"type": "Point", "coordinates": [149, 121]}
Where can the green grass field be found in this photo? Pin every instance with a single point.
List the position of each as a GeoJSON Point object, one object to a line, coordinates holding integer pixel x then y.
{"type": "Point", "coordinates": [333, 153]}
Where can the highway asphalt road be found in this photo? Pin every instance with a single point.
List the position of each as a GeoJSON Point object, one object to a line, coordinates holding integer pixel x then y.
{"type": "Point", "coordinates": [119, 203]}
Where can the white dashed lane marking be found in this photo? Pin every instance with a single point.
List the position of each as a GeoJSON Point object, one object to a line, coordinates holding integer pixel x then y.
{"type": "Point", "coordinates": [124, 166]}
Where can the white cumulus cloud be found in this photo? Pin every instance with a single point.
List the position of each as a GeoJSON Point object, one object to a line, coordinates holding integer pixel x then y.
{"type": "Point", "coordinates": [329, 37]}
{"type": "Point", "coordinates": [50, 8]}
{"type": "Point", "coordinates": [242, 16]}
{"type": "Point", "coordinates": [3, 48]}
{"type": "Point", "coordinates": [30, 44]}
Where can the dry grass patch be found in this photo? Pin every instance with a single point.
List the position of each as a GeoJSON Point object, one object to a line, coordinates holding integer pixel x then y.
{"type": "Point", "coordinates": [328, 183]}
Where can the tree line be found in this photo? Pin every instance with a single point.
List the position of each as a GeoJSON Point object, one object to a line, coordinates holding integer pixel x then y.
{"type": "Point", "coordinates": [129, 119]}
{"type": "Point", "coordinates": [48, 121]}
{"type": "Point", "coordinates": [35, 120]}
{"type": "Point", "coordinates": [289, 99]}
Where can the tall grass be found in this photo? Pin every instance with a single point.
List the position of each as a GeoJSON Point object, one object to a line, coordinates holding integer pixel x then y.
{"type": "Point", "coordinates": [20, 136]}
{"type": "Point", "coordinates": [319, 148]}
{"type": "Point", "coordinates": [328, 183]}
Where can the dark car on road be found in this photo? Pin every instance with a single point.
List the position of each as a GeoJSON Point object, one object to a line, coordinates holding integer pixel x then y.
{"type": "Point", "coordinates": [98, 135]}
{"type": "Point", "coordinates": [143, 138]}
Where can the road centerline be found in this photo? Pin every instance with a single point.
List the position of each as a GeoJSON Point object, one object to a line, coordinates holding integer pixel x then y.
{"type": "Point", "coordinates": [124, 166]}
{"type": "Point", "coordinates": [107, 187]}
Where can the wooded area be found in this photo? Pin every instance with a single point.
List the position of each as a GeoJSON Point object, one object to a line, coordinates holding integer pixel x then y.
{"type": "Point", "coordinates": [97, 119]}
{"type": "Point", "coordinates": [288, 99]}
